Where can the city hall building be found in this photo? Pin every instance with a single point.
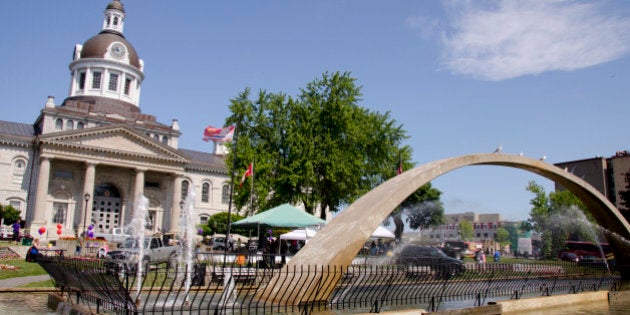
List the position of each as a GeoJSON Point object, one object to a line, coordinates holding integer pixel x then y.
{"type": "Point", "coordinates": [89, 159]}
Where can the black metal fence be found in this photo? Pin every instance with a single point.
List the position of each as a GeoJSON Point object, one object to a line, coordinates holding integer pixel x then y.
{"type": "Point", "coordinates": [211, 287]}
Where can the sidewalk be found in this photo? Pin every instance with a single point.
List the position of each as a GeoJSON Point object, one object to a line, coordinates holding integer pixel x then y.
{"type": "Point", "coordinates": [15, 282]}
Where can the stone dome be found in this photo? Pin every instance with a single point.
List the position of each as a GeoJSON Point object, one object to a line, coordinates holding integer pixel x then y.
{"type": "Point", "coordinates": [96, 47]}
{"type": "Point", "coordinates": [116, 5]}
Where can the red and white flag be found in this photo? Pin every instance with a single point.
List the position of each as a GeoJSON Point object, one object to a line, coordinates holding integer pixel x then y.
{"type": "Point", "coordinates": [218, 134]}
{"type": "Point", "coordinates": [249, 172]}
{"type": "Point", "coordinates": [400, 168]}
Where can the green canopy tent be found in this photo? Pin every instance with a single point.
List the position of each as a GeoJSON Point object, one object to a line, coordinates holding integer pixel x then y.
{"type": "Point", "coordinates": [281, 216]}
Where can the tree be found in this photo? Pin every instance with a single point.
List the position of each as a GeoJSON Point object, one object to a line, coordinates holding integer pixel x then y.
{"type": "Point", "coordinates": [423, 208]}
{"type": "Point", "coordinates": [217, 223]}
{"type": "Point", "coordinates": [320, 149]}
{"type": "Point", "coordinates": [559, 216]}
{"type": "Point", "coordinates": [503, 236]}
{"type": "Point", "coordinates": [624, 198]}
{"type": "Point", "coordinates": [9, 214]}
{"type": "Point", "coordinates": [465, 230]}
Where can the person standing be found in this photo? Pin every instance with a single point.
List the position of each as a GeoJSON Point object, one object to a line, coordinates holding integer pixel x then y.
{"type": "Point", "coordinates": [16, 231]}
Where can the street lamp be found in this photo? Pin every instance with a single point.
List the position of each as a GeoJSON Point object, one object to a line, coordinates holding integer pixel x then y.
{"type": "Point", "coordinates": [86, 197]}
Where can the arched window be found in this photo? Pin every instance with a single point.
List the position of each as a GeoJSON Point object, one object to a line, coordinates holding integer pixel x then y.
{"type": "Point", "coordinates": [205, 192]}
{"type": "Point", "coordinates": [185, 185]}
{"type": "Point", "coordinates": [69, 124]}
{"type": "Point", "coordinates": [19, 167]}
{"type": "Point", "coordinates": [80, 125]}
{"type": "Point", "coordinates": [59, 124]}
{"type": "Point", "coordinates": [165, 140]}
{"type": "Point", "coordinates": [225, 194]}
{"type": "Point", "coordinates": [203, 219]}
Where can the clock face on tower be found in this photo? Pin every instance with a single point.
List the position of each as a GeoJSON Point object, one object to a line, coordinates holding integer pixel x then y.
{"type": "Point", "coordinates": [117, 50]}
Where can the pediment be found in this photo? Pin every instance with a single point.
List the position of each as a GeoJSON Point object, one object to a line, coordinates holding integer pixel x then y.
{"type": "Point", "coordinates": [113, 139]}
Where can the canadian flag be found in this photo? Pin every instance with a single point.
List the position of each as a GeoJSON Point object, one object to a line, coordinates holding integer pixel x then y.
{"type": "Point", "coordinates": [248, 172]}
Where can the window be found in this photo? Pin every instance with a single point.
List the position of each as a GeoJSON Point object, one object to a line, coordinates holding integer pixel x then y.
{"type": "Point", "coordinates": [185, 185]}
{"type": "Point", "coordinates": [80, 125]}
{"type": "Point", "coordinates": [203, 219]}
{"type": "Point", "coordinates": [205, 192]}
{"type": "Point", "coordinates": [156, 137]}
{"type": "Point", "coordinates": [82, 80]}
{"type": "Point", "coordinates": [19, 167]}
{"type": "Point", "coordinates": [152, 185]}
{"type": "Point", "coordinates": [16, 204]}
{"type": "Point", "coordinates": [115, 20]}
{"type": "Point", "coordinates": [59, 124]}
{"type": "Point", "coordinates": [62, 175]}
{"type": "Point", "coordinates": [165, 140]}
{"type": "Point", "coordinates": [225, 194]}
{"type": "Point", "coordinates": [96, 80]}
{"type": "Point", "coordinates": [69, 124]}
{"type": "Point", "coordinates": [127, 86]}
{"type": "Point", "coordinates": [59, 212]}
{"type": "Point", "coordinates": [113, 82]}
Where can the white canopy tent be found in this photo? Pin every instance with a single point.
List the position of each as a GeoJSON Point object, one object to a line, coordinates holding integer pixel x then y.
{"type": "Point", "coordinates": [382, 232]}
{"type": "Point", "coordinates": [299, 235]}
{"type": "Point", "coordinates": [307, 233]}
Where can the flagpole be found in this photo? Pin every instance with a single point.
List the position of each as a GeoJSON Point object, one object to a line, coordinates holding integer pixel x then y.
{"type": "Point", "coordinates": [229, 218]}
{"type": "Point", "coordinates": [251, 190]}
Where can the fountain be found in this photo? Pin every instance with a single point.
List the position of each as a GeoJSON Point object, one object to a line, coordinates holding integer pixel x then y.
{"type": "Point", "coordinates": [186, 226]}
{"type": "Point", "coordinates": [137, 229]}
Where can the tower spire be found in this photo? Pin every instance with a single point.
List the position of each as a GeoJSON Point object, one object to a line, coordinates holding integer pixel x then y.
{"type": "Point", "coordinates": [114, 17]}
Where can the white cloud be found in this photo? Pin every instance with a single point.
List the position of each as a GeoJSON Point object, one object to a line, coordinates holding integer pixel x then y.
{"type": "Point", "coordinates": [499, 40]}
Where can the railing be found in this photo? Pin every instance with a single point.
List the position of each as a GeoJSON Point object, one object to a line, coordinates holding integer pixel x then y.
{"type": "Point", "coordinates": [212, 287]}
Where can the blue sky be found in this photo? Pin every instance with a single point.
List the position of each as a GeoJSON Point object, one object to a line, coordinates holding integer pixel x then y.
{"type": "Point", "coordinates": [538, 77]}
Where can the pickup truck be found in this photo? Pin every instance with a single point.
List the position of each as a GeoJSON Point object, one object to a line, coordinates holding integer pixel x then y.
{"type": "Point", "coordinates": [117, 236]}
{"type": "Point", "coordinates": [128, 255]}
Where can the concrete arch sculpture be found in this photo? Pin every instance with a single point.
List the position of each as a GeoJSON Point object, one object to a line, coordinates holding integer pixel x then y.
{"type": "Point", "coordinates": [340, 240]}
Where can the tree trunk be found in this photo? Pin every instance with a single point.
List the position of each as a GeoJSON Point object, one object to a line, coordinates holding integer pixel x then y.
{"type": "Point", "coordinates": [400, 226]}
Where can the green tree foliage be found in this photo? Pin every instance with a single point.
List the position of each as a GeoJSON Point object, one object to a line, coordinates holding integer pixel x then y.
{"type": "Point", "coordinates": [466, 231]}
{"type": "Point", "coordinates": [217, 224]}
{"type": "Point", "coordinates": [423, 208]}
{"type": "Point", "coordinates": [624, 198]}
{"type": "Point", "coordinates": [503, 236]}
{"type": "Point", "coordinates": [319, 149]}
{"type": "Point", "coordinates": [559, 216]}
{"type": "Point", "coordinates": [9, 214]}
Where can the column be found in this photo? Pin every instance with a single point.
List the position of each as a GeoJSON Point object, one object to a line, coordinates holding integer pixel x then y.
{"type": "Point", "coordinates": [39, 217]}
{"type": "Point", "coordinates": [88, 190]}
{"type": "Point", "coordinates": [175, 206]}
{"type": "Point", "coordinates": [138, 190]}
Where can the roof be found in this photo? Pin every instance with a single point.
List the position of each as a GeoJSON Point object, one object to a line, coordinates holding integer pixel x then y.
{"type": "Point", "coordinates": [116, 5]}
{"type": "Point", "coordinates": [16, 129]}
{"type": "Point", "coordinates": [203, 159]}
{"type": "Point", "coordinates": [96, 47]}
{"type": "Point", "coordinates": [281, 216]}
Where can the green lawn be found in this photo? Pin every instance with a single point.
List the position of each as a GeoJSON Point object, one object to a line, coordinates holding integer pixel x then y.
{"type": "Point", "coordinates": [23, 269]}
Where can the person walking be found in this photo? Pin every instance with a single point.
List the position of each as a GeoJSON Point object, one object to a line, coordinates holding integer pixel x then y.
{"type": "Point", "coordinates": [16, 231]}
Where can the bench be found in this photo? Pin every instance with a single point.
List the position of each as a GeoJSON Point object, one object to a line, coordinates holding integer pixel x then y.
{"type": "Point", "coordinates": [242, 275]}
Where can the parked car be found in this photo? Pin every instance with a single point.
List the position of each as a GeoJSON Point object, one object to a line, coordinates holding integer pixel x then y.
{"type": "Point", "coordinates": [568, 256]}
{"type": "Point", "coordinates": [432, 259]}
{"type": "Point", "coordinates": [6, 232]}
{"type": "Point", "coordinates": [596, 262]}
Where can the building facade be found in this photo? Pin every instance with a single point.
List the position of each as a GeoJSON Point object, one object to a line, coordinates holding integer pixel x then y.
{"type": "Point", "coordinates": [610, 176]}
{"type": "Point", "coordinates": [90, 158]}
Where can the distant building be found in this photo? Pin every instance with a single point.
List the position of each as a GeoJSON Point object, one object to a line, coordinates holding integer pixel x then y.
{"type": "Point", "coordinates": [485, 227]}
{"type": "Point", "coordinates": [610, 176]}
